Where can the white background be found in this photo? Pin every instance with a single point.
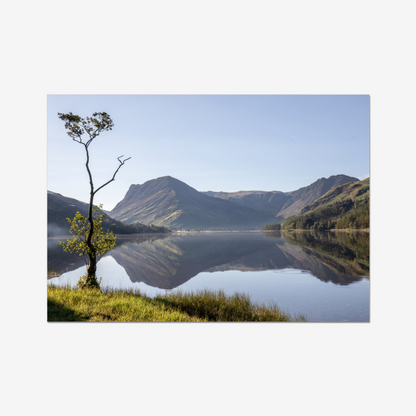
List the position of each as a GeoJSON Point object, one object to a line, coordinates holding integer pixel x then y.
{"type": "Point", "coordinates": [227, 47]}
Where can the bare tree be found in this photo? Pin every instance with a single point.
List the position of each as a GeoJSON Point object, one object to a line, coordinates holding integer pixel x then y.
{"type": "Point", "coordinates": [92, 126]}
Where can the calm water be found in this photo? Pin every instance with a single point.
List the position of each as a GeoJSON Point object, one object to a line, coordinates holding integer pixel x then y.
{"type": "Point", "coordinates": [324, 276]}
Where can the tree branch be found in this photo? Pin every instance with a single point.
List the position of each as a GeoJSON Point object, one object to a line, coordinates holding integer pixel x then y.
{"type": "Point", "coordinates": [79, 140]}
{"type": "Point", "coordinates": [115, 173]}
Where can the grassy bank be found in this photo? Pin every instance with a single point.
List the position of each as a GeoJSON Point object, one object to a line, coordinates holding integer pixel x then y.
{"type": "Point", "coordinates": [65, 304]}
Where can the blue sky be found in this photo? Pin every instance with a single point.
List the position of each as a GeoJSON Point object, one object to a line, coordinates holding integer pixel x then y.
{"type": "Point", "coordinates": [211, 142]}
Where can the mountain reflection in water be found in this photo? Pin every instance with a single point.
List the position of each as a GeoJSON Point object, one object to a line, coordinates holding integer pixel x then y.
{"type": "Point", "coordinates": [168, 261]}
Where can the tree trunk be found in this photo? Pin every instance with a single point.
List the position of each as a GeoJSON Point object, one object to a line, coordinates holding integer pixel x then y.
{"type": "Point", "coordinates": [91, 278]}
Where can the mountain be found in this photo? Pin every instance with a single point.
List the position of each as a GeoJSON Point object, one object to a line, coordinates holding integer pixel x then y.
{"type": "Point", "coordinates": [346, 206]}
{"type": "Point", "coordinates": [168, 202]}
{"type": "Point", "coordinates": [304, 196]}
{"type": "Point", "coordinates": [352, 190]}
{"type": "Point", "coordinates": [61, 207]}
{"type": "Point", "coordinates": [283, 204]}
{"type": "Point", "coordinates": [271, 202]}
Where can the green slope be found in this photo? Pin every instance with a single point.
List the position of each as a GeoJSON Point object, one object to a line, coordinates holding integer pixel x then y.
{"type": "Point", "coordinates": [357, 191]}
{"type": "Point", "coordinates": [302, 197]}
{"type": "Point", "coordinates": [346, 206]}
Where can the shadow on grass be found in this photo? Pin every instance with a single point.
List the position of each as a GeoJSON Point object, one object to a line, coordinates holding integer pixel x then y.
{"type": "Point", "coordinates": [178, 306]}
{"type": "Point", "coordinates": [60, 313]}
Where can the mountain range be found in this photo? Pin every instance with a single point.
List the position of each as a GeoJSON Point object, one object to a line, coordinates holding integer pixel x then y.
{"type": "Point", "coordinates": [169, 202]}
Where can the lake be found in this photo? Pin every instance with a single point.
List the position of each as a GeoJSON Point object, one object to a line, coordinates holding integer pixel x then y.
{"type": "Point", "coordinates": [322, 275]}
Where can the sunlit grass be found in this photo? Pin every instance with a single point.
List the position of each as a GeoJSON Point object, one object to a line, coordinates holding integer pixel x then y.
{"type": "Point", "coordinates": [110, 305]}
{"type": "Point", "coordinates": [217, 306]}
{"type": "Point", "coordinates": [66, 304]}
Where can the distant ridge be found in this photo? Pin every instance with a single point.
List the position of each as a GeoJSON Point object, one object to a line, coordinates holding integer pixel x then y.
{"type": "Point", "coordinates": [271, 201]}
{"type": "Point", "coordinates": [284, 204]}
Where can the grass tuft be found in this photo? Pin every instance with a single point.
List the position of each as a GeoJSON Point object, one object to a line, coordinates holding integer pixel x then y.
{"type": "Point", "coordinates": [218, 307]}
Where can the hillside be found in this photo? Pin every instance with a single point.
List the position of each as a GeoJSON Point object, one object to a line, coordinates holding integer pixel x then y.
{"type": "Point", "coordinates": [353, 190]}
{"type": "Point", "coordinates": [60, 208]}
{"type": "Point", "coordinates": [346, 206]}
{"type": "Point", "coordinates": [283, 204]}
{"type": "Point", "coordinates": [308, 194]}
{"type": "Point", "coordinates": [168, 202]}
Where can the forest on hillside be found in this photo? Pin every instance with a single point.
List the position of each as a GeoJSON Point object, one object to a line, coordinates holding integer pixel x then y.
{"type": "Point", "coordinates": [346, 214]}
{"type": "Point", "coordinates": [274, 226]}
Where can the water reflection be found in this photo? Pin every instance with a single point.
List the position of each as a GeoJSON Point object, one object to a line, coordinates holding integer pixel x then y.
{"type": "Point", "coordinates": [168, 261]}
{"type": "Point", "coordinates": [346, 253]}
{"type": "Point", "coordinates": [60, 261]}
